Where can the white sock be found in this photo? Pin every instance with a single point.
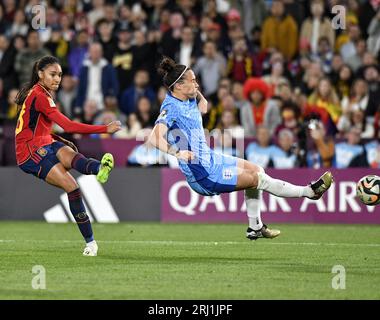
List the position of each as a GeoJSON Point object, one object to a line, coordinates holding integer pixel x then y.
{"type": "Point", "coordinates": [253, 203]}
{"type": "Point", "coordinates": [281, 188]}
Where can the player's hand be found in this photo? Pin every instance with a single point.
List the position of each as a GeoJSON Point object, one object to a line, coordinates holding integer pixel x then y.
{"type": "Point", "coordinates": [113, 126]}
{"type": "Point", "coordinates": [185, 155]}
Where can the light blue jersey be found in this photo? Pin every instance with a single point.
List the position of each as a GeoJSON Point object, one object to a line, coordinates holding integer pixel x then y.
{"type": "Point", "coordinates": [212, 172]}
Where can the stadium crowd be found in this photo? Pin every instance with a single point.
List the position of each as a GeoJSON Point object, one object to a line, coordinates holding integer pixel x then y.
{"type": "Point", "coordinates": [301, 83]}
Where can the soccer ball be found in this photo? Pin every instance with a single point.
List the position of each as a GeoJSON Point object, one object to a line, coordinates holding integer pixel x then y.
{"type": "Point", "coordinates": [368, 190]}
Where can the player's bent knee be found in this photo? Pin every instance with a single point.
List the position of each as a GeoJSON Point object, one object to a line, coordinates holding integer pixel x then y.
{"type": "Point", "coordinates": [70, 185]}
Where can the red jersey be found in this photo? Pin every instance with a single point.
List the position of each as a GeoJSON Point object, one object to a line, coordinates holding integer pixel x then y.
{"type": "Point", "coordinates": [35, 122]}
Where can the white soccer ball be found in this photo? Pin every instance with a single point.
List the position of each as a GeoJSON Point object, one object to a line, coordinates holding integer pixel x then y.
{"type": "Point", "coordinates": [368, 190]}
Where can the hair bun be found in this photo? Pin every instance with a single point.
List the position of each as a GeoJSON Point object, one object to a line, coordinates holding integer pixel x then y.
{"type": "Point", "coordinates": [166, 66]}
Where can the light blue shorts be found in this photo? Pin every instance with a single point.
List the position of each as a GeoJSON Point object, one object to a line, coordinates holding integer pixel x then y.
{"type": "Point", "coordinates": [222, 177]}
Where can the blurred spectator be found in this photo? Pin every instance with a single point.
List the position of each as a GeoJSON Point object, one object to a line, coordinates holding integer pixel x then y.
{"type": "Point", "coordinates": [66, 23]}
{"type": "Point", "coordinates": [146, 155]}
{"type": "Point", "coordinates": [317, 26]}
{"type": "Point", "coordinates": [132, 94]}
{"type": "Point", "coordinates": [348, 49]}
{"type": "Point", "coordinates": [280, 31]}
{"type": "Point", "coordinates": [283, 155]}
{"type": "Point", "coordinates": [130, 130]}
{"type": "Point", "coordinates": [97, 11]}
{"type": "Point", "coordinates": [187, 51]}
{"type": "Point", "coordinates": [240, 63]}
{"type": "Point", "coordinates": [97, 78]}
{"type": "Point", "coordinates": [373, 154]}
{"type": "Point", "coordinates": [103, 118]}
{"type": "Point", "coordinates": [25, 59]}
{"type": "Point", "coordinates": [161, 95]}
{"type": "Point", "coordinates": [144, 53]}
{"type": "Point", "coordinates": [253, 13]}
{"type": "Point", "coordinates": [321, 147]}
{"type": "Point", "coordinates": [8, 77]}
{"type": "Point", "coordinates": [78, 53]}
{"type": "Point", "coordinates": [238, 95]}
{"type": "Point", "coordinates": [310, 79]}
{"type": "Point", "coordinates": [211, 9]}
{"type": "Point", "coordinates": [324, 54]}
{"type": "Point", "coordinates": [356, 60]}
{"type": "Point", "coordinates": [276, 78]}
{"type": "Point", "coordinates": [229, 122]}
{"type": "Point", "coordinates": [344, 81]}
{"type": "Point", "coordinates": [224, 143]}
{"type": "Point", "coordinates": [171, 39]}
{"type": "Point", "coordinates": [19, 25]}
{"type": "Point", "coordinates": [90, 111]}
{"type": "Point", "coordinates": [325, 103]}
{"type": "Point", "coordinates": [367, 11]}
{"type": "Point", "coordinates": [66, 95]}
{"type": "Point", "coordinates": [355, 110]}
{"type": "Point", "coordinates": [51, 22]}
{"type": "Point", "coordinates": [58, 46]}
{"type": "Point", "coordinates": [123, 60]}
{"type": "Point", "coordinates": [260, 152]}
{"type": "Point", "coordinates": [291, 120]}
{"type": "Point", "coordinates": [210, 67]}
{"type": "Point", "coordinates": [12, 107]}
{"type": "Point", "coordinates": [373, 41]}
{"type": "Point", "coordinates": [145, 113]}
{"type": "Point", "coordinates": [211, 118]}
{"type": "Point", "coordinates": [3, 22]}
{"type": "Point", "coordinates": [350, 153]}
{"type": "Point", "coordinates": [259, 111]}
{"type": "Point", "coordinates": [106, 38]}
{"type": "Point", "coordinates": [372, 77]}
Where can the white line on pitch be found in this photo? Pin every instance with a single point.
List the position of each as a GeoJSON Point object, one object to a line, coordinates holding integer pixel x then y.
{"type": "Point", "coordinates": [206, 243]}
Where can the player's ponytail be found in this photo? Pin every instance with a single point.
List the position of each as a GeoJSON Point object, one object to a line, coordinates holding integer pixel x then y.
{"type": "Point", "coordinates": [39, 65]}
{"type": "Point", "coordinates": [171, 72]}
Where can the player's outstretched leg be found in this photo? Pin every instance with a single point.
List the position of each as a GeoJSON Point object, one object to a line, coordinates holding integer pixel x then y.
{"type": "Point", "coordinates": [321, 185]}
{"type": "Point", "coordinates": [88, 166]}
{"type": "Point", "coordinates": [106, 166]}
{"type": "Point", "coordinates": [285, 189]}
{"type": "Point", "coordinates": [85, 165]}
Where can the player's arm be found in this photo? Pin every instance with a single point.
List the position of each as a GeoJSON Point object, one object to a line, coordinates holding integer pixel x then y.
{"type": "Point", "coordinates": [202, 103]}
{"type": "Point", "coordinates": [157, 138]}
{"type": "Point", "coordinates": [48, 107]}
{"type": "Point", "coordinates": [76, 127]}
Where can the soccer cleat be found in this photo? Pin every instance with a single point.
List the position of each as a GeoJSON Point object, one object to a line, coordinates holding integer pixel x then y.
{"type": "Point", "coordinates": [91, 249]}
{"type": "Point", "coordinates": [321, 185]}
{"type": "Point", "coordinates": [106, 165]}
{"type": "Point", "coordinates": [264, 232]}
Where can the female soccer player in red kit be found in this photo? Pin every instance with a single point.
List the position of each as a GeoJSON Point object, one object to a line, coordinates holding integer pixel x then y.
{"type": "Point", "coordinates": [38, 153]}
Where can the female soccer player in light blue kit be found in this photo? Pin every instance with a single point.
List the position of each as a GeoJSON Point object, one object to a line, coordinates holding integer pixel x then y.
{"type": "Point", "coordinates": [179, 131]}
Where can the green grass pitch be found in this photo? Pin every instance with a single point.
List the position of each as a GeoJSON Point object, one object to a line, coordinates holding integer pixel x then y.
{"type": "Point", "coordinates": [189, 261]}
